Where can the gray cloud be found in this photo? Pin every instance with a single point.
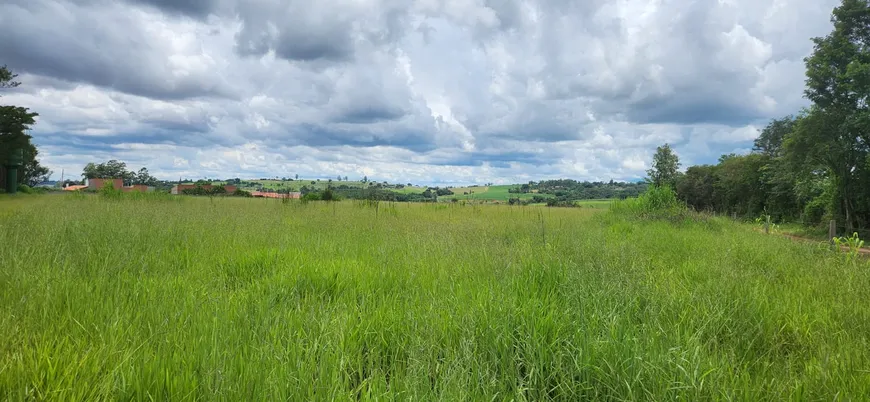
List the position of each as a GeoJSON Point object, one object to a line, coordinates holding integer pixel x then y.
{"type": "Point", "coordinates": [194, 8]}
{"type": "Point", "coordinates": [423, 90]}
{"type": "Point", "coordinates": [97, 44]}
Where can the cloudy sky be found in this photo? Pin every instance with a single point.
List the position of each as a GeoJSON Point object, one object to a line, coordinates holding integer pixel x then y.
{"type": "Point", "coordinates": [422, 91]}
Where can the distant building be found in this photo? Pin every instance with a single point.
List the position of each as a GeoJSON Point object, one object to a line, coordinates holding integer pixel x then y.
{"type": "Point", "coordinates": [75, 188]}
{"type": "Point", "coordinates": [118, 184]}
{"type": "Point", "coordinates": [179, 188]}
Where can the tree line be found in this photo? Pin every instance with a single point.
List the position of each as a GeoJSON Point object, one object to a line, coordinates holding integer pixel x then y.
{"type": "Point", "coordinates": [809, 167]}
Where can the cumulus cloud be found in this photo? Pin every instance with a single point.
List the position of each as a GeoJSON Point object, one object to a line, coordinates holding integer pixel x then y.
{"type": "Point", "coordinates": [429, 91]}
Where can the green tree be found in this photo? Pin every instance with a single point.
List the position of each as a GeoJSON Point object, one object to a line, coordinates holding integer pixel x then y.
{"type": "Point", "coordinates": [697, 187]}
{"type": "Point", "coordinates": [769, 142]}
{"type": "Point", "coordinates": [835, 131]}
{"type": "Point", "coordinates": [145, 178]}
{"type": "Point", "coordinates": [112, 169]}
{"type": "Point", "coordinates": [15, 122]}
{"type": "Point", "coordinates": [664, 167]}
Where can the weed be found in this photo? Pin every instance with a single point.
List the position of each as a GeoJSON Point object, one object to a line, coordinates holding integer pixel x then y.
{"type": "Point", "coordinates": [851, 246]}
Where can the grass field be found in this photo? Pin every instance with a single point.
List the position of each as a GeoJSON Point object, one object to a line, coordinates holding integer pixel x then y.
{"type": "Point", "coordinates": [489, 193]}
{"type": "Point", "coordinates": [595, 204]}
{"type": "Point", "coordinates": [180, 298]}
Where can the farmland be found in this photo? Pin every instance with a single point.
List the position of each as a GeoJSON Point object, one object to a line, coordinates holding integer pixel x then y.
{"type": "Point", "coordinates": [489, 193]}
{"type": "Point", "coordinates": [174, 298]}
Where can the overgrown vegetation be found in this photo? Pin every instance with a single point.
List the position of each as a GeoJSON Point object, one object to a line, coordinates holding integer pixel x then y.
{"type": "Point", "coordinates": [240, 299]}
{"type": "Point", "coordinates": [655, 203]}
{"type": "Point", "coordinates": [566, 191]}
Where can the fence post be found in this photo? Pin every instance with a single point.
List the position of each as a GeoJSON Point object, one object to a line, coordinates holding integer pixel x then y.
{"type": "Point", "coordinates": [767, 225]}
{"type": "Point", "coordinates": [734, 216]}
{"type": "Point", "coordinates": [832, 230]}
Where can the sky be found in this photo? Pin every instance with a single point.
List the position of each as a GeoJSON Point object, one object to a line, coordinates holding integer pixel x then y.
{"type": "Point", "coordinates": [420, 91]}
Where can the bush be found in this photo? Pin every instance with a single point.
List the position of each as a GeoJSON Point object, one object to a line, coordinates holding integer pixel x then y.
{"type": "Point", "coordinates": [23, 188]}
{"type": "Point", "coordinates": [655, 203]}
{"type": "Point", "coordinates": [109, 191]}
{"type": "Point", "coordinates": [815, 211]}
{"type": "Point", "coordinates": [311, 197]}
{"type": "Point", "coordinates": [327, 195]}
{"type": "Point", "coordinates": [241, 193]}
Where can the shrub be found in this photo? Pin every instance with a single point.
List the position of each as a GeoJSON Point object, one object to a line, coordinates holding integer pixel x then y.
{"type": "Point", "coordinates": [109, 191]}
{"type": "Point", "coordinates": [654, 203]}
{"type": "Point", "coordinates": [311, 197]}
{"type": "Point", "coordinates": [328, 195]}
{"type": "Point", "coordinates": [23, 188]}
{"type": "Point", "coordinates": [241, 193]}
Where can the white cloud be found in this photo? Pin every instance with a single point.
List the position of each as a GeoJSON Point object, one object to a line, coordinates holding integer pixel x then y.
{"type": "Point", "coordinates": [421, 91]}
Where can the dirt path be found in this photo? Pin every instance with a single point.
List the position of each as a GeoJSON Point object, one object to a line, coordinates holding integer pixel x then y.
{"type": "Point", "coordinates": [863, 251]}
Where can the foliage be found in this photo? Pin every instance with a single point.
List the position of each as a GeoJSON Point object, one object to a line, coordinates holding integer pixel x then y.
{"type": "Point", "coordinates": [852, 246]}
{"type": "Point", "coordinates": [313, 196]}
{"type": "Point", "coordinates": [15, 122]}
{"type": "Point", "coordinates": [572, 190]}
{"type": "Point", "coordinates": [109, 191]}
{"type": "Point", "coordinates": [655, 203]}
{"type": "Point", "coordinates": [327, 195]}
{"type": "Point", "coordinates": [210, 191]}
{"type": "Point", "coordinates": [665, 167]}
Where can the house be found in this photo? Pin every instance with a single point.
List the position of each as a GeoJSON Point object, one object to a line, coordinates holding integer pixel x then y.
{"type": "Point", "coordinates": [118, 184]}
{"type": "Point", "coordinates": [179, 188]}
{"type": "Point", "coordinates": [75, 188]}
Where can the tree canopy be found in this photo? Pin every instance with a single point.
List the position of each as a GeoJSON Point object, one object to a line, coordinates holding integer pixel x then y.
{"type": "Point", "coordinates": [665, 167]}
{"type": "Point", "coordinates": [15, 122]}
{"type": "Point", "coordinates": [115, 169]}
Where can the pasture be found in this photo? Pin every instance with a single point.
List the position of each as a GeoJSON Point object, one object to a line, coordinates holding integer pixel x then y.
{"type": "Point", "coordinates": [595, 204]}
{"type": "Point", "coordinates": [182, 298]}
{"type": "Point", "coordinates": [489, 193]}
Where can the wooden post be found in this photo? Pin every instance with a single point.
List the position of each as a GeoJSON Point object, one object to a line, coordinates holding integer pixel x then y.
{"type": "Point", "coordinates": [767, 225]}
{"type": "Point", "coordinates": [734, 215]}
{"type": "Point", "coordinates": [832, 230]}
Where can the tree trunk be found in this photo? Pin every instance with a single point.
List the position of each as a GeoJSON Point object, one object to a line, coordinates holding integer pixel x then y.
{"type": "Point", "coordinates": [847, 202]}
{"type": "Point", "coordinates": [847, 208]}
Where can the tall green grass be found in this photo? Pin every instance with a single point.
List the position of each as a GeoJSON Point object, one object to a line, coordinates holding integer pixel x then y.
{"type": "Point", "coordinates": [250, 299]}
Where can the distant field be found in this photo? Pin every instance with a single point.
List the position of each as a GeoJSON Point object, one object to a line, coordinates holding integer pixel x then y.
{"type": "Point", "coordinates": [597, 204]}
{"type": "Point", "coordinates": [490, 193]}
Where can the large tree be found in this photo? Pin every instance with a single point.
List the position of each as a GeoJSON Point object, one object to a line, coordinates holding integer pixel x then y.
{"type": "Point", "coordinates": [835, 132]}
{"type": "Point", "coordinates": [665, 167]}
{"type": "Point", "coordinates": [15, 122]}
{"type": "Point", "coordinates": [112, 169]}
